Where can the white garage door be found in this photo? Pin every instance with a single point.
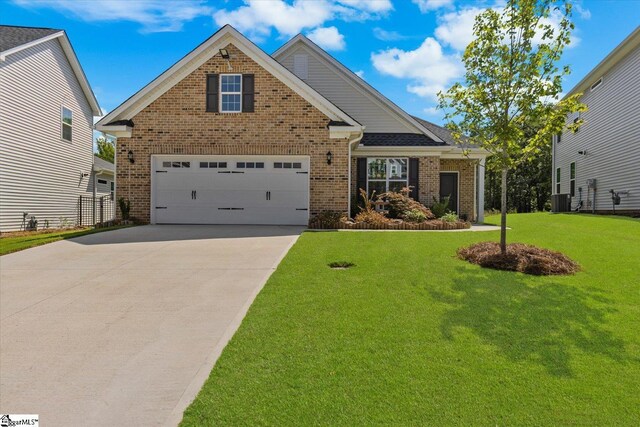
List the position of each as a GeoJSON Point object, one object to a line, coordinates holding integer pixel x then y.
{"type": "Point", "coordinates": [230, 190]}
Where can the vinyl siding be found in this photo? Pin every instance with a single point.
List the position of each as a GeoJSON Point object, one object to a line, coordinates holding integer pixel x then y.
{"type": "Point", "coordinates": [40, 173]}
{"type": "Point", "coordinates": [346, 96]}
{"type": "Point", "coordinates": [611, 138]}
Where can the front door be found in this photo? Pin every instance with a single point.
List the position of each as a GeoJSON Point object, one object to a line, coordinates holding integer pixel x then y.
{"type": "Point", "coordinates": [449, 187]}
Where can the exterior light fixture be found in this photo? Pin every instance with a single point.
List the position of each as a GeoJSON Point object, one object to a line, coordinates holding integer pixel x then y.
{"type": "Point", "coordinates": [329, 157]}
{"type": "Point", "coordinates": [224, 53]}
{"type": "Point", "coordinates": [130, 157]}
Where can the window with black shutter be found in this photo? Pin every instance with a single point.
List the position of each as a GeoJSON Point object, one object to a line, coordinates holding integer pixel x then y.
{"type": "Point", "coordinates": [212, 93]}
{"type": "Point", "coordinates": [247, 93]}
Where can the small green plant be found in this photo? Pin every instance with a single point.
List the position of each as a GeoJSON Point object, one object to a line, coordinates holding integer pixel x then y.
{"type": "Point", "coordinates": [449, 217]}
{"type": "Point", "coordinates": [415, 216]}
{"type": "Point", "coordinates": [440, 207]}
{"type": "Point", "coordinates": [125, 208]}
{"type": "Point", "coordinates": [64, 222]}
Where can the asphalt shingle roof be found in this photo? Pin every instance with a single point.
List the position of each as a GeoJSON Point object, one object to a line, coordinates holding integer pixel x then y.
{"type": "Point", "coordinates": [11, 36]}
{"type": "Point", "coordinates": [398, 140]}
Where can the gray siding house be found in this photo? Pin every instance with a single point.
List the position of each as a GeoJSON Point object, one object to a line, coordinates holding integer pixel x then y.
{"type": "Point", "coordinates": [601, 161]}
{"type": "Point", "coordinates": [46, 128]}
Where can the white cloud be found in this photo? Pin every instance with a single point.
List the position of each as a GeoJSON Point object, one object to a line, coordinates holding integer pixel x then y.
{"type": "Point", "coordinates": [153, 15]}
{"type": "Point", "coordinates": [257, 18]}
{"type": "Point", "coordinates": [455, 29]}
{"type": "Point", "coordinates": [387, 36]}
{"type": "Point", "coordinates": [433, 111]}
{"type": "Point", "coordinates": [328, 38]}
{"type": "Point", "coordinates": [582, 12]}
{"type": "Point", "coordinates": [428, 67]}
{"type": "Point", "coordinates": [359, 73]}
{"type": "Point", "coordinates": [429, 5]}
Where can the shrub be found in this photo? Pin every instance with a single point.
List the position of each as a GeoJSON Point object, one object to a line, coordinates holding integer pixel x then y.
{"type": "Point", "coordinates": [449, 217]}
{"type": "Point", "coordinates": [440, 207]}
{"type": "Point", "coordinates": [400, 204]}
{"type": "Point", "coordinates": [328, 219]}
{"type": "Point", "coordinates": [415, 216]}
{"type": "Point", "coordinates": [125, 208]}
{"type": "Point", "coordinates": [371, 217]}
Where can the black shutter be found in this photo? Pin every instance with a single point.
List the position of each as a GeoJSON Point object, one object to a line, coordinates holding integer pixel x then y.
{"type": "Point", "coordinates": [414, 180]}
{"type": "Point", "coordinates": [361, 176]}
{"type": "Point", "coordinates": [212, 93]}
{"type": "Point", "coordinates": [247, 93]}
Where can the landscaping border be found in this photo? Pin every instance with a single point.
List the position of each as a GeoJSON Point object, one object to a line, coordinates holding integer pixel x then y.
{"type": "Point", "coordinates": [427, 225]}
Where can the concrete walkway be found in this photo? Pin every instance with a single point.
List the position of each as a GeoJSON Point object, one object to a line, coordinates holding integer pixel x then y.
{"type": "Point", "coordinates": [123, 327]}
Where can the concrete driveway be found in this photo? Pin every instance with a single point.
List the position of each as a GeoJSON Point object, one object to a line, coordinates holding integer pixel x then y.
{"type": "Point", "coordinates": [123, 327]}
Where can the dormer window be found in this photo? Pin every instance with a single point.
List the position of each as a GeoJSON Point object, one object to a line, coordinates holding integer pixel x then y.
{"type": "Point", "coordinates": [230, 93]}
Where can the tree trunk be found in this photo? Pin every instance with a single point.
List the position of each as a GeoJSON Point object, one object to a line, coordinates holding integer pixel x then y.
{"type": "Point", "coordinates": [503, 213]}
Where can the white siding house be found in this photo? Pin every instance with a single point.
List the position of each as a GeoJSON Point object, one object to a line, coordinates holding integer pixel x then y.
{"type": "Point", "coordinates": [607, 146]}
{"type": "Point", "coordinates": [46, 122]}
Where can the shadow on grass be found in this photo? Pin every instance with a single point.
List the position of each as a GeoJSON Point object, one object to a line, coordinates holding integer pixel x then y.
{"type": "Point", "coordinates": [528, 319]}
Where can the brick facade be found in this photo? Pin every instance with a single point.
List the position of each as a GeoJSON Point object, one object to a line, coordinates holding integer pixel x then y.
{"type": "Point", "coordinates": [429, 181]}
{"type": "Point", "coordinates": [283, 123]}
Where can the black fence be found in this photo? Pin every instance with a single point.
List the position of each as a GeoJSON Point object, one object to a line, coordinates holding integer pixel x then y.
{"type": "Point", "coordinates": [95, 210]}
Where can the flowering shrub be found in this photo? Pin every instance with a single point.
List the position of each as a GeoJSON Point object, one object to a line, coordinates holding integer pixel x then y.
{"type": "Point", "coordinates": [400, 204]}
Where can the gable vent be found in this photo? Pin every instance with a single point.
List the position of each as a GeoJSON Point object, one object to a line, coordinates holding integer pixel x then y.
{"type": "Point", "coordinates": [596, 84]}
{"type": "Point", "coordinates": [301, 66]}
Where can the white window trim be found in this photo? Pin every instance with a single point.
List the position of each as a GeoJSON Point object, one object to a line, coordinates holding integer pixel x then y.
{"type": "Point", "coordinates": [558, 181]}
{"type": "Point", "coordinates": [63, 124]}
{"type": "Point", "coordinates": [229, 93]}
{"type": "Point", "coordinates": [387, 180]}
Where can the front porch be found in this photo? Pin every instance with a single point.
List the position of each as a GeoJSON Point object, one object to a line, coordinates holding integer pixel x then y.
{"type": "Point", "coordinates": [431, 177]}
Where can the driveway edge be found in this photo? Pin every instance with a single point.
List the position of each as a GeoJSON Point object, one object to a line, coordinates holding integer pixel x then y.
{"type": "Point", "coordinates": [204, 371]}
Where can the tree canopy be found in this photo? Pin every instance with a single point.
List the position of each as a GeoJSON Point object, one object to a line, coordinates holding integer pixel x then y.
{"type": "Point", "coordinates": [508, 103]}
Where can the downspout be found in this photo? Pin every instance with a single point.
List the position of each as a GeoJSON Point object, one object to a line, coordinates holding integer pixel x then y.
{"type": "Point", "coordinates": [352, 143]}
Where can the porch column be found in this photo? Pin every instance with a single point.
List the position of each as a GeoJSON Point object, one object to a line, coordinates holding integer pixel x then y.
{"type": "Point", "coordinates": [481, 171]}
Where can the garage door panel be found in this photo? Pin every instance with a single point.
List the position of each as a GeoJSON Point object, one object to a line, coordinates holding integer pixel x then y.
{"type": "Point", "coordinates": [235, 195]}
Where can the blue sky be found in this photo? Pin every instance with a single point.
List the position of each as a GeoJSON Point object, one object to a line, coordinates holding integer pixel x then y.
{"type": "Point", "coordinates": [407, 49]}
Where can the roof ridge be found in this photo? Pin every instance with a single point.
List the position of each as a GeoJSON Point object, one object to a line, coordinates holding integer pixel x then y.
{"type": "Point", "coordinates": [31, 27]}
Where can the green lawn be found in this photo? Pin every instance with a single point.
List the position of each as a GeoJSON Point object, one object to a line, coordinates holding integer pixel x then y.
{"type": "Point", "coordinates": [14, 244]}
{"type": "Point", "coordinates": [414, 336]}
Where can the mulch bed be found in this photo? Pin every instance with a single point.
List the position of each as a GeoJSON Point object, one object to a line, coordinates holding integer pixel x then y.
{"type": "Point", "coordinates": [519, 257]}
{"type": "Point", "coordinates": [435, 224]}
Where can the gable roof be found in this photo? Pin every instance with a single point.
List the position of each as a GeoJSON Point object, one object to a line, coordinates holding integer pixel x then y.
{"type": "Point", "coordinates": [346, 73]}
{"type": "Point", "coordinates": [621, 51]}
{"type": "Point", "coordinates": [15, 39]}
{"type": "Point", "coordinates": [198, 56]}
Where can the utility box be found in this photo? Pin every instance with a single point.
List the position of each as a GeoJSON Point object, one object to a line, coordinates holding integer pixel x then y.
{"type": "Point", "coordinates": [560, 203]}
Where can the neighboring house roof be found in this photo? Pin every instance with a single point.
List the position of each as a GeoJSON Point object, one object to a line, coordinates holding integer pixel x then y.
{"type": "Point", "coordinates": [102, 164]}
{"type": "Point", "coordinates": [15, 39]}
{"type": "Point", "coordinates": [194, 59]}
{"type": "Point", "coordinates": [11, 36]}
{"type": "Point", "coordinates": [621, 51]}
{"type": "Point", "coordinates": [353, 78]}
{"type": "Point", "coordinates": [399, 140]}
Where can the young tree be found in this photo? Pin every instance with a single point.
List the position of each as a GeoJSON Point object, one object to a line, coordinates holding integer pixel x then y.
{"type": "Point", "coordinates": [106, 149]}
{"type": "Point", "coordinates": [512, 82]}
